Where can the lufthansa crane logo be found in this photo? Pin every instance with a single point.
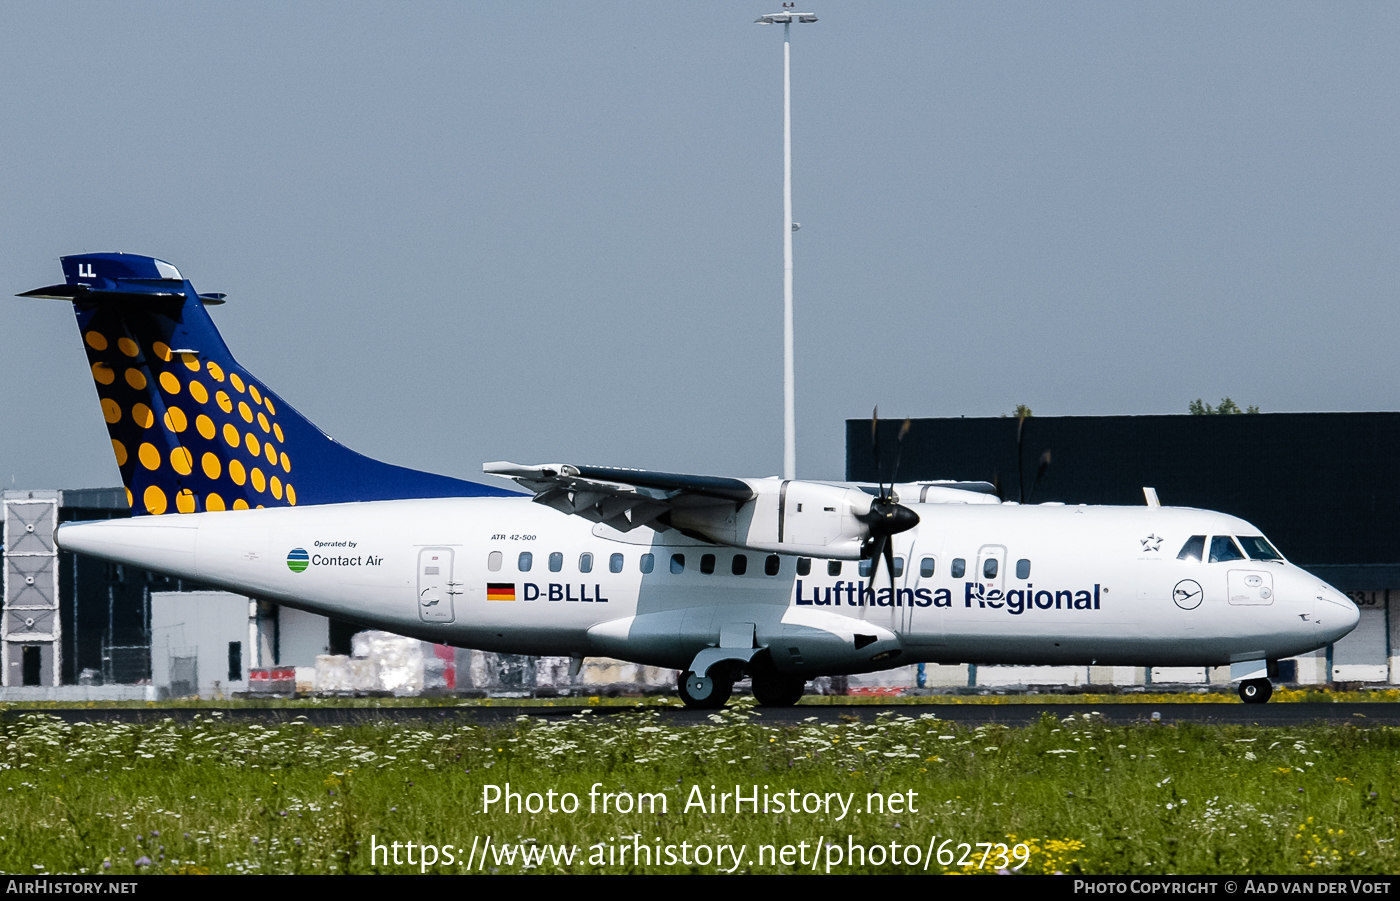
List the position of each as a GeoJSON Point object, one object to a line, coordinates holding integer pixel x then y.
{"type": "Point", "coordinates": [1187, 594]}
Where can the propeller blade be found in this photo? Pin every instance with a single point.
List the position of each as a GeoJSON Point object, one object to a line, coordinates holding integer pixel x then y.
{"type": "Point", "coordinates": [881, 542]}
{"type": "Point", "coordinates": [898, 453]}
{"type": "Point", "coordinates": [875, 448]}
{"type": "Point", "coordinates": [889, 564]}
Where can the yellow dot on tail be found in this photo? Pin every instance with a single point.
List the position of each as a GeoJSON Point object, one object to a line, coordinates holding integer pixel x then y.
{"type": "Point", "coordinates": [136, 379]}
{"type": "Point", "coordinates": [148, 455]}
{"type": "Point", "coordinates": [155, 500]}
{"type": "Point", "coordinates": [237, 473]}
{"type": "Point", "coordinates": [271, 453]}
{"type": "Point", "coordinates": [184, 501]}
{"type": "Point", "coordinates": [224, 403]}
{"type": "Point", "coordinates": [255, 394]}
{"type": "Point", "coordinates": [120, 450]}
{"type": "Point", "coordinates": [96, 340]}
{"type": "Point", "coordinates": [182, 461]}
{"type": "Point", "coordinates": [170, 383]}
{"type": "Point", "coordinates": [128, 497]}
{"type": "Point", "coordinates": [236, 382]}
{"type": "Point", "coordinates": [215, 371]}
{"type": "Point", "coordinates": [286, 464]}
{"type": "Point", "coordinates": [175, 419]}
{"type": "Point", "coordinates": [128, 347]}
{"type": "Point", "coordinates": [250, 441]}
{"type": "Point", "coordinates": [240, 504]}
{"type": "Point", "coordinates": [205, 425]}
{"type": "Point", "coordinates": [162, 350]}
{"type": "Point", "coordinates": [291, 496]}
{"type": "Point", "coordinates": [211, 465]}
{"type": "Point", "coordinates": [259, 480]}
{"type": "Point", "coordinates": [262, 422]}
{"type": "Point", "coordinates": [191, 362]}
{"type": "Point", "coordinates": [244, 411]}
{"type": "Point", "coordinates": [199, 392]}
{"type": "Point", "coordinates": [277, 430]}
{"type": "Point", "coordinates": [231, 435]}
{"type": "Point", "coordinates": [110, 411]}
{"type": "Point", "coordinates": [213, 502]}
{"type": "Point", "coordinates": [103, 373]}
{"type": "Point", "coordinates": [142, 416]}
{"type": "Point", "coordinates": [267, 402]}
{"type": "Point", "coordinates": [276, 484]}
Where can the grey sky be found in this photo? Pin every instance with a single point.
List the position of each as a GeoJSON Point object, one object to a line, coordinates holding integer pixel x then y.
{"type": "Point", "coordinates": [453, 233]}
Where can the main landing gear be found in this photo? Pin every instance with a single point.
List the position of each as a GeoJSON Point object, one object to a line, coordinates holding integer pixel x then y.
{"type": "Point", "coordinates": [1256, 691]}
{"type": "Point", "coordinates": [704, 692]}
{"type": "Point", "coordinates": [777, 690]}
{"type": "Point", "coordinates": [711, 692]}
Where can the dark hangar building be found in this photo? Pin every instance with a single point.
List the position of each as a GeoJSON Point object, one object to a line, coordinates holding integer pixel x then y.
{"type": "Point", "coordinates": [1323, 487]}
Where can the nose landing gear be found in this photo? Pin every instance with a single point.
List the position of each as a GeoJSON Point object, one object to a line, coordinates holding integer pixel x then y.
{"type": "Point", "coordinates": [1256, 691]}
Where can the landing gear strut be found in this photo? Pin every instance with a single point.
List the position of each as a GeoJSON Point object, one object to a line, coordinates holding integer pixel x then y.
{"type": "Point", "coordinates": [777, 690]}
{"type": "Point", "coordinates": [1256, 691]}
{"type": "Point", "coordinates": [704, 692]}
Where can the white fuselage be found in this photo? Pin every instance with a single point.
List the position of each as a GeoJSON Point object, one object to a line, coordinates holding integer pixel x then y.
{"type": "Point", "coordinates": [1102, 584]}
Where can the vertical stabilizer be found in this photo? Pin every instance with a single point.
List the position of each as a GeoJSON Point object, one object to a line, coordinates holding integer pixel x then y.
{"type": "Point", "coordinates": [192, 430]}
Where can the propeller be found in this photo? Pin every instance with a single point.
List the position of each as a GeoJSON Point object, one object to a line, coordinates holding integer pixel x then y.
{"type": "Point", "coordinates": [886, 517]}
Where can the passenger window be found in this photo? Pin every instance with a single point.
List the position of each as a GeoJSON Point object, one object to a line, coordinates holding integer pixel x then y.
{"type": "Point", "coordinates": [927, 566]}
{"type": "Point", "coordinates": [1258, 548]}
{"type": "Point", "coordinates": [740, 565]}
{"type": "Point", "coordinates": [772, 564]}
{"type": "Point", "coordinates": [1193, 549]}
{"type": "Point", "coordinates": [615, 563]}
{"type": "Point", "coordinates": [1023, 569]}
{"type": "Point", "coordinates": [556, 562]}
{"type": "Point", "coordinates": [833, 567]}
{"type": "Point", "coordinates": [493, 561]}
{"type": "Point", "coordinates": [648, 563]}
{"type": "Point", "coordinates": [959, 568]}
{"type": "Point", "coordinates": [865, 567]}
{"type": "Point", "coordinates": [804, 566]}
{"type": "Point", "coordinates": [898, 567]}
{"type": "Point", "coordinates": [1223, 549]}
{"type": "Point", "coordinates": [585, 563]}
{"type": "Point", "coordinates": [707, 564]}
{"type": "Point", "coordinates": [526, 561]}
{"type": "Point", "coordinates": [989, 568]}
{"type": "Point", "coordinates": [678, 563]}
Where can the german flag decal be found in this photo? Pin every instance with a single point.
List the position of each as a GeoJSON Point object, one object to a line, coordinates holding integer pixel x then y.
{"type": "Point", "coordinates": [500, 591]}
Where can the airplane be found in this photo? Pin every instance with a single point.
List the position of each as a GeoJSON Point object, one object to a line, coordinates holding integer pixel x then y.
{"type": "Point", "coordinates": [717, 578]}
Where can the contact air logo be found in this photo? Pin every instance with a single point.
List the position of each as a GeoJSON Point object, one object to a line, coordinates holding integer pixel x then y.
{"type": "Point", "coordinates": [298, 560]}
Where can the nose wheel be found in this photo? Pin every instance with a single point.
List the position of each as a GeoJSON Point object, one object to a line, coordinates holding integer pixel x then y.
{"type": "Point", "coordinates": [1256, 691]}
{"type": "Point", "coordinates": [704, 692]}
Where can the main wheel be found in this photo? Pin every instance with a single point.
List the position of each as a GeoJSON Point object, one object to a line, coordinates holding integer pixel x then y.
{"type": "Point", "coordinates": [1256, 691]}
{"type": "Point", "coordinates": [704, 692]}
{"type": "Point", "coordinates": [778, 690]}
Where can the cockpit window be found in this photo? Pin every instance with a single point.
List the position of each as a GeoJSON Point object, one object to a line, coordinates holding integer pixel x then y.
{"type": "Point", "coordinates": [1223, 548]}
{"type": "Point", "coordinates": [1193, 549]}
{"type": "Point", "coordinates": [1258, 547]}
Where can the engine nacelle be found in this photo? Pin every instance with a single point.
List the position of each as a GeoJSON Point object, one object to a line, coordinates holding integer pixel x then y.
{"type": "Point", "coordinates": [809, 519]}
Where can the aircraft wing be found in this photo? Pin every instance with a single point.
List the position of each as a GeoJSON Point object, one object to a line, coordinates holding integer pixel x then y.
{"type": "Point", "coordinates": [621, 498]}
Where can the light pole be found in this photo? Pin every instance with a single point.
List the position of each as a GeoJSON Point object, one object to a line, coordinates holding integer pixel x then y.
{"type": "Point", "coordinates": [788, 16]}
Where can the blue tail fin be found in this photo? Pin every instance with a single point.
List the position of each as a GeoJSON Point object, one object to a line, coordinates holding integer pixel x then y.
{"type": "Point", "coordinates": [192, 430]}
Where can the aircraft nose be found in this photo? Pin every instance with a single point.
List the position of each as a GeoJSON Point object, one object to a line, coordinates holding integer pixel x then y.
{"type": "Point", "coordinates": [1336, 614]}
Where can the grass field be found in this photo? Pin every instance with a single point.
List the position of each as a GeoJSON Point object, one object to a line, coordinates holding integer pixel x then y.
{"type": "Point", "coordinates": [908, 793]}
